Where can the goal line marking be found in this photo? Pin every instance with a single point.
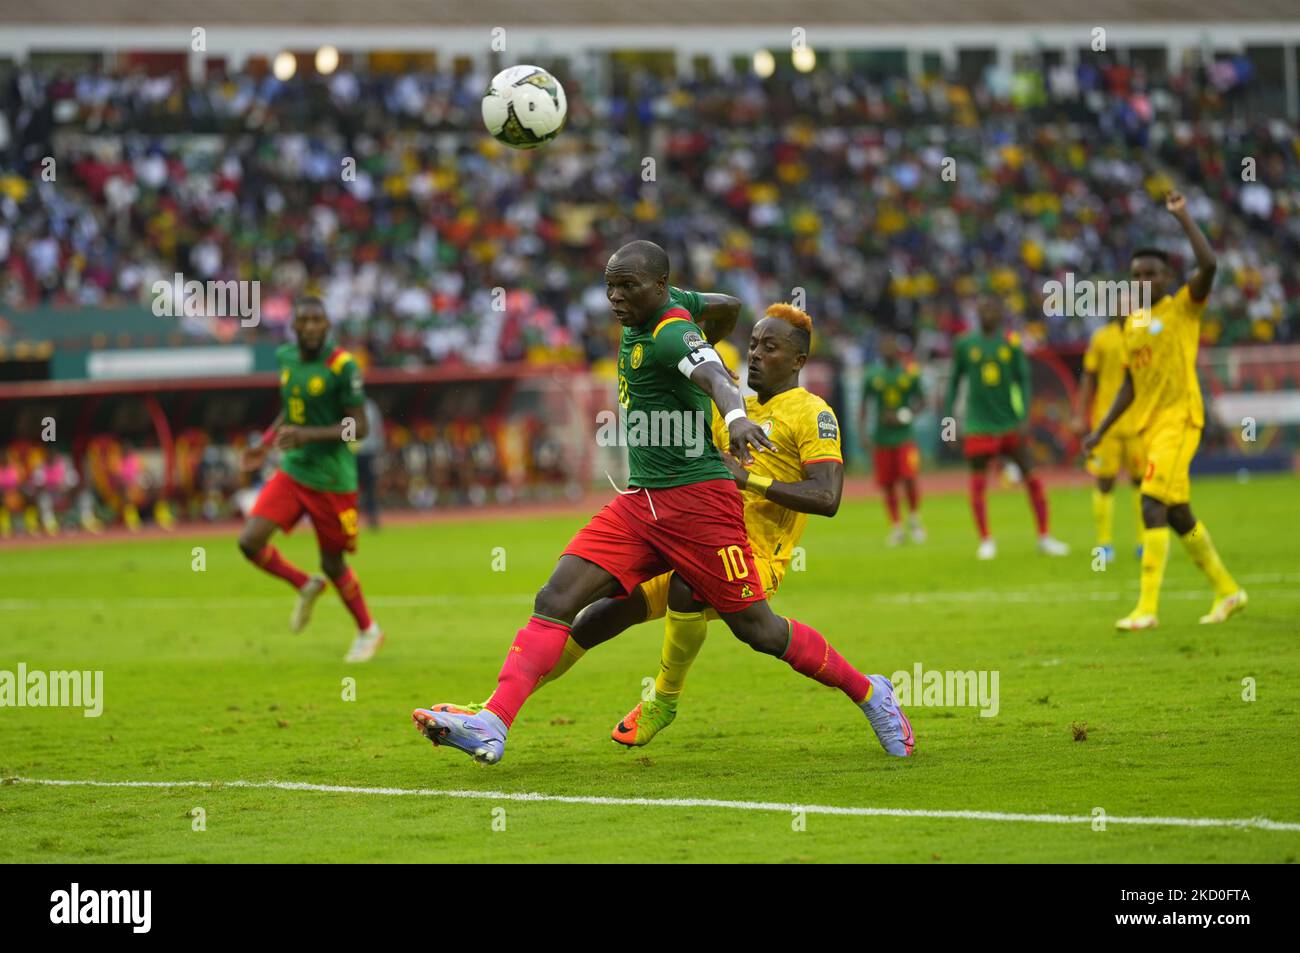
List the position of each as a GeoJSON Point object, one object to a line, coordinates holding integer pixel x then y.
{"type": "Point", "coordinates": [1258, 823]}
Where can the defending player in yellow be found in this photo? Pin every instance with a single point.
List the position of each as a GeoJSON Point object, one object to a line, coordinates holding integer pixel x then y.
{"type": "Point", "coordinates": [1162, 396]}
{"type": "Point", "coordinates": [805, 475]}
{"type": "Point", "coordinates": [1103, 375]}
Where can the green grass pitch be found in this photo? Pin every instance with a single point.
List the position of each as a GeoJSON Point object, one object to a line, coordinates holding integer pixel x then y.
{"type": "Point", "coordinates": [203, 682]}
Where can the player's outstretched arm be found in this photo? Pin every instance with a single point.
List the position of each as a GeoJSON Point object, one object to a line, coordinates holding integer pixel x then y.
{"type": "Point", "coordinates": [1206, 262]}
{"type": "Point", "coordinates": [719, 317]}
{"type": "Point", "coordinates": [1121, 404]}
{"type": "Point", "coordinates": [819, 493]}
{"type": "Point", "coordinates": [711, 377]}
{"type": "Point", "coordinates": [1087, 387]}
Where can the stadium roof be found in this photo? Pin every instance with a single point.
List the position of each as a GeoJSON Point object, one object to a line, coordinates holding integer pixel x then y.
{"type": "Point", "coordinates": [596, 13]}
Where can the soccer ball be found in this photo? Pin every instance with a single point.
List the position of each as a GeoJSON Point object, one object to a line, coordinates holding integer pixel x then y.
{"type": "Point", "coordinates": [524, 107]}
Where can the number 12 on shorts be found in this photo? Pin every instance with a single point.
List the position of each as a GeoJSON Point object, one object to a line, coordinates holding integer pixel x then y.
{"type": "Point", "coordinates": [733, 563]}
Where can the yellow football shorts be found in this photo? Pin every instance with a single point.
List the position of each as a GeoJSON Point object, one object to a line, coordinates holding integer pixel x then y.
{"type": "Point", "coordinates": [1114, 451]}
{"type": "Point", "coordinates": [1169, 452]}
{"type": "Point", "coordinates": [656, 590]}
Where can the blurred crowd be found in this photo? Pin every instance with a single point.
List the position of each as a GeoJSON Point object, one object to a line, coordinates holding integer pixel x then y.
{"type": "Point", "coordinates": [889, 202]}
{"type": "Point", "coordinates": [419, 464]}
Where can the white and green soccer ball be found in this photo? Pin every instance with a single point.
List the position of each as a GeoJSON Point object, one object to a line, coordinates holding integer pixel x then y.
{"type": "Point", "coordinates": [524, 107]}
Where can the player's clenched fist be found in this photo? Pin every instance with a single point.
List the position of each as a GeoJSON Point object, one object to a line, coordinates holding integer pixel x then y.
{"type": "Point", "coordinates": [1176, 202]}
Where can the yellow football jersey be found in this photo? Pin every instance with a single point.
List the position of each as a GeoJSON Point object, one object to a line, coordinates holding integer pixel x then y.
{"type": "Point", "coordinates": [804, 429]}
{"type": "Point", "coordinates": [1160, 347]}
{"type": "Point", "coordinates": [1105, 357]}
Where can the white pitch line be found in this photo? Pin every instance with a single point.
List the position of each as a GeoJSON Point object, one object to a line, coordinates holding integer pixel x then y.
{"type": "Point", "coordinates": [1258, 823]}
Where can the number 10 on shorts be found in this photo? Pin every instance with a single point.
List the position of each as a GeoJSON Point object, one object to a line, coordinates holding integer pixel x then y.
{"type": "Point", "coordinates": [733, 563]}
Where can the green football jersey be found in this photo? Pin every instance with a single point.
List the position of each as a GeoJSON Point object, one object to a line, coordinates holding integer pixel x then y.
{"type": "Point", "coordinates": [665, 420]}
{"type": "Point", "coordinates": [891, 388]}
{"type": "Point", "coordinates": [320, 393]}
{"type": "Point", "coordinates": [997, 382]}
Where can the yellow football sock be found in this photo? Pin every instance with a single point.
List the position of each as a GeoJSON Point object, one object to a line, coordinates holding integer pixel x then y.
{"type": "Point", "coordinates": [684, 634]}
{"type": "Point", "coordinates": [1201, 548]}
{"type": "Point", "coordinates": [1155, 552]}
{"type": "Point", "coordinates": [568, 658]}
{"type": "Point", "coordinates": [1138, 522]}
{"type": "Point", "coordinates": [1103, 514]}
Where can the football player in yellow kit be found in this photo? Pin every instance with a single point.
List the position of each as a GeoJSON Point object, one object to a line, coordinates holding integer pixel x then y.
{"type": "Point", "coordinates": [1162, 398]}
{"type": "Point", "coordinates": [1103, 374]}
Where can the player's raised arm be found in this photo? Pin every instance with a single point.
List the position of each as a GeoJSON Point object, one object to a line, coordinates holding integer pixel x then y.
{"type": "Point", "coordinates": [1206, 262]}
{"type": "Point", "coordinates": [1121, 404]}
{"type": "Point", "coordinates": [819, 493]}
{"type": "Point", "coordinates": [718, 317]}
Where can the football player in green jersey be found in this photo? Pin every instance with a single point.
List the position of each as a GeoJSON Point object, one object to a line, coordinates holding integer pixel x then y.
{"type": "Point", "coordinates": [893, 390]}
{"type": "Point", "coordinates": [997, 406]}
{"type": "Point", "coordinates": [323, 416]}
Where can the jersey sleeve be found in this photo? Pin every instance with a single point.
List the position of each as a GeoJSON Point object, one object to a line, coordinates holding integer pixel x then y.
{"type": "Point", "coordinates": [954, 378]}
{"type": "Point", "coordinates": [691, 301]}
{"type": "Point", "coordinates": [351, 390]}
{"type": "Point", "coordinates": [819, 435]}
{"type": "Point", "coordinates": [1020, 361]}
{"type": "Point", "coordinates": [679, 342]}
{"type": "Point", "coordinates": [1187, 307]}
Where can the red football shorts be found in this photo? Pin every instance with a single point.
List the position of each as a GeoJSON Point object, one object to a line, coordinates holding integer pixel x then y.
{"type": "Point", "coordinates": [696, 530]}
{"type": "Point", "coordinates": [334, 515]}
{"type": "Point", "coordinates": [991, 444]}
{"type": "Point", "coordinates": [896, 463]}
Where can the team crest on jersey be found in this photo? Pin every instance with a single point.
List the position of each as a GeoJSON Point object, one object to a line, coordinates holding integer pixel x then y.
{"type": "Point", "coordinates": [638, 355]}
{"type": "Point", "coordinates": [316, 386]}
{"type": "Point", "coordinates": [974, 354]}
{"type": "Point", "coordinates": [767, 427]}
{"type": "Point", "coordinates": [1004, 353]}
{"type": "Point", "coordinates": [827, 428]}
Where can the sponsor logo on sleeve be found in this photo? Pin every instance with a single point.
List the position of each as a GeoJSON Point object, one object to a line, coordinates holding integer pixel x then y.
{"type": "Point", "coordinates": [827, 428]}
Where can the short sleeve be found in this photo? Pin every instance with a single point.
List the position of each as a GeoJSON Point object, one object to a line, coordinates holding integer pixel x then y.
{"type": "Point", "coordinates": [819, 435]}
{"type": "Point", "coordinates": [691, 301]}
{"type": "Point", "coordinates": [351, 390]}
{"type": "Point", "coordinates": [678, 342]}
{"type": "Point", "coordinates": [1185, 306]}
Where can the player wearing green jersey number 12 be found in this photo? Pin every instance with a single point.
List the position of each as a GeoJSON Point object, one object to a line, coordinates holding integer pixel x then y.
{"type": "Point", "coordinates": [682, 512]}
{"type": "Point", "coordinates": [323, 416]}
{"type": "Point", "coordinates": [996, 372]}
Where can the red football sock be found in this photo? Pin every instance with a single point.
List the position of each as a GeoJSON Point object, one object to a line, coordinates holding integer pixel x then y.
{"type": "Point", "coordinates": [271, 560]}
{"type": "Point", "coordinates": [891, 503]}
{"type": "Point", "coordinates": [913, 495]}
{"type": "Point", "coordinates": [1038, 500]}
{"type": "Point", "coordinates": [350, 592]}
{"type": "Point", "coordinates": [979, 503]}
{"type": "Point", "coordinates": [534, 652]}
{"type": "Point", "coordinates": [810, 654]}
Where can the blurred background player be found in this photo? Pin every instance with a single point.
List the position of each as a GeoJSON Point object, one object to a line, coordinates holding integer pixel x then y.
{"type": "Point", "coordinates": [1162, 398]}
{"type": "Point", "coordinates": [1103, 375]}
{"type": "Point", "coordinates": [323, 403]}
{"type": "Point", "coordinates": [893, 388]}
{"type": "Point", "coordinates": [997, 405]}
{"type": "Point", "coordinates": [805, 475]}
